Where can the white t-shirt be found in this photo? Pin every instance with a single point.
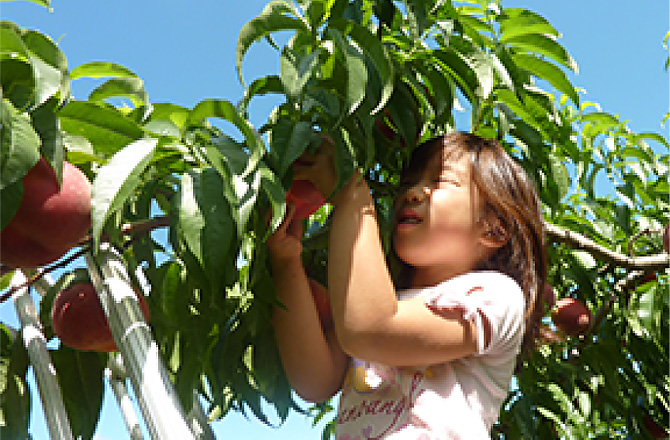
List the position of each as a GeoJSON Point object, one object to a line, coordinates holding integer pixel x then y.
{"type": "Point", "coordinates": [455, 400]}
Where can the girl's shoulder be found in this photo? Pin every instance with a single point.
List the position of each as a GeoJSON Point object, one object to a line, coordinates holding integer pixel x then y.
{"type": "Point", "coordinates": [483, 280]}
{"type": "Point", "coordinates": [487, 279]}
{"type": "Point", "coordinates": [471, 290]}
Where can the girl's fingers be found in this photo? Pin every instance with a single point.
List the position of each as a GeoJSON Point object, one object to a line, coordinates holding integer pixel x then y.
{"type": "Point", "coordinates": [294, 227]}
{"type": "Point", "coordinates": [286, 221]}
{"type": "Point", "coordinates": [290, 213]}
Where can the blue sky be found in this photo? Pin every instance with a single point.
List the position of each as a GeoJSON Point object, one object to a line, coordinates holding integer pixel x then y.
{"type": "Point", "coordinates": [184, 52]}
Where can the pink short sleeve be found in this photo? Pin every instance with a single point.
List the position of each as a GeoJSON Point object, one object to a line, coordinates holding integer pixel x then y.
{"type": "Point", "coordinates": [490, 294]}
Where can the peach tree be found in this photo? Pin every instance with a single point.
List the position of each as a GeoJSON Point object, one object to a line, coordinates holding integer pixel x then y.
{"type": "Point", "coordinates": [378, 76]}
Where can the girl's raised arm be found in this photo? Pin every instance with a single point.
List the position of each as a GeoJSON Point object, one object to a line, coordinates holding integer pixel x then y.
{"type": "Point", "coordinates": [371, 323]}
{"type": "Point", "coordinates": [312, 358]}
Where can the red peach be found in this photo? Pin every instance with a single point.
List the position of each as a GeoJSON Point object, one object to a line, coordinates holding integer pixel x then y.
{"type": "Point", "coordinates": [571, 316]}
{"type": "Point", "coordinates": [306, 197]}
{"type": "Point", "coordinates": [50, 219]}
{"type": "Point", "coordinates": [79, 321]}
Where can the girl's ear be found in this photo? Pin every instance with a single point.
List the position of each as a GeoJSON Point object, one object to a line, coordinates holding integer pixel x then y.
{"type": "Point", "coordinates": [493, 234]}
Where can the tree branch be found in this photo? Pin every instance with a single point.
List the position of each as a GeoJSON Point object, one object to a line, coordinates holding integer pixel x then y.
{"type": "Point", "coordinates": [578, 241]}
{"type": "Point", "coordinates": [139, 227]}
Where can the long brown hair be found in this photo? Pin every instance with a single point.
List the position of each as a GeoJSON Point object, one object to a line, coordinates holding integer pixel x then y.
{"type": "Point", "coordinates": [509, 194]}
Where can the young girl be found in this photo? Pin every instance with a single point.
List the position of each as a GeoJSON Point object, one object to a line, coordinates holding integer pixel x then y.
{"type": "Point", "coordinates": [430, 358]}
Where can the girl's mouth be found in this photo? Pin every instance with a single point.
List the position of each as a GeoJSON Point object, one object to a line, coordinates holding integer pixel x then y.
{"type": "Point", "coordinates": [408, 217]}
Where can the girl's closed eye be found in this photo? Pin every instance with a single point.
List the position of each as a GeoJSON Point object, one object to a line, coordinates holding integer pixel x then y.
{"type": "Point", "coordinates": [449, 179]}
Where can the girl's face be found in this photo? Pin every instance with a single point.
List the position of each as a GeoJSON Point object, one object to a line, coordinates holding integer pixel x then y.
{"type": "Point", "coordinates": [435, 229]}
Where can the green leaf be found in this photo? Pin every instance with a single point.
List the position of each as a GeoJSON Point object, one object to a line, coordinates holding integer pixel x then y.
{"type": "Point", "coordinates": [44, 3]}
{"type": "Point", "coordinates": [599, 122]}
{"type": "Point", "coordinates": [246, 193]}
{"type": "Point", "coordinates": [295, 71]}
{"type": "Point", "coordinates": [543, 45]}
{"type": "Point", "coordinates": [272, 186]}
{"type": "Point", "coordinates": [644, 313]}
{"type": "Point", "coordinates": [203, 223]}
{"type": "Point", "coordinates": [225, 110]}
{"type": "Point", "coordinates": [170, 292]}
{"type": "Point", "coordinates": [404, 112]}
{"type": "Point", "coordinates": [10, 200]}
{"type": "Point", "coordinates": [19, 144]}
{"type": "Point", "coordinates": [45, 122]}
{"type": "Point", "coordinates": [101, 69]}
{"type": "Point", "coordinates": [560, 176]}
{"type": "Point", "coordinates": [11, 43]}
{"type": "Point", "coordinates": [456, 68]}
{"type": "Point", "coordinates": [80, 376]}
{"type": "Point", "coordinates": [130, 87]}
{"type": "Point", "coordinates": [45, 49]}
{"type": "Point", "coordinates": [357, 75]}
{"type": "Point", "coordinates": [441, 93]}
{"type": "Point", "coordinates": [273, 18]}
{"type": "Point", "coordinates": [229, 159]}
{"type": "Point", "coordinates": [262, 86]}
{"type": "Point", "coordinates": [48, 81]}
{"type": "Point", "coordinates": [344, 156]}
{"type": "Point", "coordinates": [15, 400]}
{"type": "Point", "coordinates": [518, 22]}
{"type": "Point", "coordinates": [585, 259]}
{"type": "Point", "coordinates": [18, 82]}
{"type": "Point", "coordinates": [116, 181]}
{"type": "Point", "coordinates": [651, 136]}
{"type": "Point", "coordinates": [481, 64]}
{"type": "Point", "coordinates": [289, 140]}
{"type": "Point", "coordinates": [49, 67]}
{"type": "Point", "coordinates": [548, 72]}
{"type": "Point", "coordinates": [106, 128]}
{"type": "Point", "coordinates": [373, 48]}
{"type": "Point", "coordinates": [173, 113]}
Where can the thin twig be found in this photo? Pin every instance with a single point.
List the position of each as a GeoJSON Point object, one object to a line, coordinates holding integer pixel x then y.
{"type": "Point", "coordinates": [139, 227]}
{"type": "Point", "coordinates": [62, 263]}
{"type": "Point", "coordinates": [634, 238]}
{"type": "Point", "coordinates": [144, 226]}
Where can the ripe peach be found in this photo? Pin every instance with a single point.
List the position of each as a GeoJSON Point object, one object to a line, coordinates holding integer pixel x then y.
{"type": "Point", "coordinates": [571, 316]}
{"type": "Point", "coordinates": [50, 219]}
{"type": "Point", "coordinates": [306, 197]}
{"type": "Point", "coordinates": [79, 321]}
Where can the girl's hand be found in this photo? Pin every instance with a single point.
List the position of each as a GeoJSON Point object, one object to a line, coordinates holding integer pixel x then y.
{"type": "Point", "coordinates": [318, 167]}
{"type": "Point", "coordinates": [285, 243]}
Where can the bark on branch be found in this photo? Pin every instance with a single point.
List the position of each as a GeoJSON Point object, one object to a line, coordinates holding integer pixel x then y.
{"type": "Point", "coordinates": [577, 241]}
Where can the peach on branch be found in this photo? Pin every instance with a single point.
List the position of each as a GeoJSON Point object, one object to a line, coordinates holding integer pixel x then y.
{"type": "Point", "coordinates": [51, 218]}
{"type": "Point", "coordinates": [306, 197]}
{"type": "Point", "coordinates": [571, 316]}
{"type": "Point", "coordinates": [79, 321]}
